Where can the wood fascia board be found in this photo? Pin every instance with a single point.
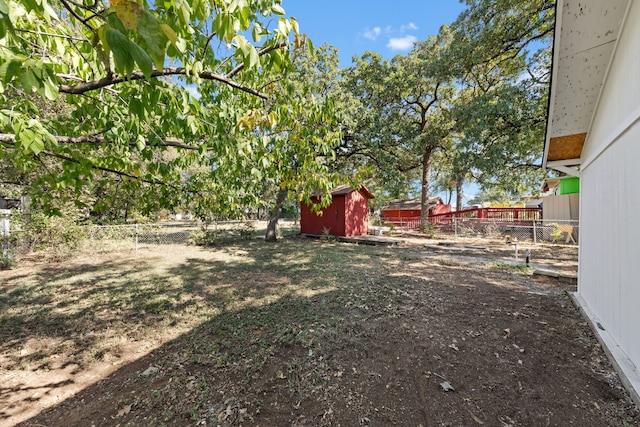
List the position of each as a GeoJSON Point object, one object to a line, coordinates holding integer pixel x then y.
{"type": "Point", "coordinates": [566, 162]}
{"type": "Point", "coordinates": [567, 170]}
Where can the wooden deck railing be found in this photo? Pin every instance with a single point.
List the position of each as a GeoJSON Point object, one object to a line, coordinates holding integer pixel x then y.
{"type": "Point", "coordinates": [492, 214]}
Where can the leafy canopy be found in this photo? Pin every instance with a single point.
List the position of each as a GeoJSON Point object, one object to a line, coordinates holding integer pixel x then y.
{"type": "Point", "coordinates": [102, 93]}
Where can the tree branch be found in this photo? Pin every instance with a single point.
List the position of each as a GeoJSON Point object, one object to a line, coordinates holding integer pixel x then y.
{"type": "Point", "coordinates": [62, 36]}
{"type": "Point", "coordinates": [137, 75]}
{"type": "Point", "coordinates": [113, 171]}
{"type": "Point", "coordinates": [85, 21]}
{"type": "Point", "coordinates": [262, 52]}
{"type": "Point", "coordinates": [90, 139]}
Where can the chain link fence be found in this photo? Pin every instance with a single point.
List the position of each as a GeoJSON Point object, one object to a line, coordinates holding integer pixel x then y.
{"type": "Point", "coordinates": [91, 239]}
{"type": "Point", "coordinates": [111, 238]}
{"type": "Point", "coordinates": [140, 236]}
{"type": "Point", "coordinates": [535, 231]}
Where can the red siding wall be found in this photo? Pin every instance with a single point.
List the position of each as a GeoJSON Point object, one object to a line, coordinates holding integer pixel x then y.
{"type": "Point", "coordinates": [391, 214]}
{"type": "Point", "coordinates": [357, 214]}
{"type": "Point", "coordinates": [332, 218]}
{"type": "Point", "coordinates": [440, 209]}
{"type": "Point", "coordinates": [347, 215]}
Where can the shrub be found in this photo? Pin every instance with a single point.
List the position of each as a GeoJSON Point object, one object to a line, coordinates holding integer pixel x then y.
{"type": "Point", "coordinates": [203, 237]}
{"type": "Point", "coordinates": [45, 232]}
{"type": "Point", "coordinates": [247, 230]}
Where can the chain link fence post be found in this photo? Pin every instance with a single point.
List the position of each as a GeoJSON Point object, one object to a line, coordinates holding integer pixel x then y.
{"type": "Point", "coordinates": [535, 233]}
{"type": "Point", "coordinates": [455, 226]}
{"type": "Point", "coordinates": [4, 221]}
{"type": "Point", "coordinates": [137, 233]}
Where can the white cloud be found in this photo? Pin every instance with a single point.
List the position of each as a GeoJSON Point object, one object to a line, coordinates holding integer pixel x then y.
{"type": "Point", "coordinates": [409, 26]}
{"type": "Point", "coordinates": [372, 34]}
{"type": "Point", "coordinates": [402, 43]}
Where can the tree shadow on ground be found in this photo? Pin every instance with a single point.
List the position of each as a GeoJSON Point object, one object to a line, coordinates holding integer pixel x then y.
{"type": "Point", "coordinates": [320, 333]}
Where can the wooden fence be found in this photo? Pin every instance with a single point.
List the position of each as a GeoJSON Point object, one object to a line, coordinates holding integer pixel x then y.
{"type": "Point", "coordinates": [493, 214]}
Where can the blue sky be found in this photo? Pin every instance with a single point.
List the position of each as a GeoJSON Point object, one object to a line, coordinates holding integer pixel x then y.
{"type": "Point", "coordinates": [385, 27]}
{"type": "Point", "coordinates": [388, 28]}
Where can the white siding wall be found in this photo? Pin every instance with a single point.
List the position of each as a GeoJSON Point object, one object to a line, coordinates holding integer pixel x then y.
{"type": "Point", "coordinates": [620, 98]}
{"type": "Point", "coordinates": [609, 278]}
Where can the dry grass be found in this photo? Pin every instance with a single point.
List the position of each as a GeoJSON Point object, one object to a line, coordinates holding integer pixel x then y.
{"type": "Point", "coordinates": [232, 331]}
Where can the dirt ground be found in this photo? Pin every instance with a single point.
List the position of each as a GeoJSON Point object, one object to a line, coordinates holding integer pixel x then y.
{"type": "Point", "coordinates": [303, 332]}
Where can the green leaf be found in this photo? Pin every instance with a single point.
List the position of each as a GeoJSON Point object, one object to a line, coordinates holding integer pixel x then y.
{"type": "Point", "coordinates": [120, 45]}
{"type": "Point", "coordinates": [29, 81]}
{"type": "Point", "coordinates": [102, 35]}
{"type": "Point", "coordinates": [255, 172]}
{"type": "Point", "coordinates": [50, 90]}
{"type": "Point", "coordinates": [254, 57]}
{"type": "Point", "coordinates": [136, 107]}
{"type": "Point", "coordinates": [4, 67]}
{"type": "Point", "coordinates": [310, 46]}
{"type": "Point", "coordinates": [142, 59]}
{"type": "Point", "coordinates": [4, 7]}
{"type": "Point", "coordinates": [16, 13]}
{"type": "Point", "coordinates": [171, 35]}
{"type": "Point", "coordinates": [140, 142]}
{"type": "Point", "coordinates": [37, 145]}
{"type": "Point", "coordinates": [244, 15]}
{"type": "Point", "coordinates": [277, 9]}
{"type": "Point", "coordinates": [256, 32]}
{"type": "Point", "coordinates": [155, 38]}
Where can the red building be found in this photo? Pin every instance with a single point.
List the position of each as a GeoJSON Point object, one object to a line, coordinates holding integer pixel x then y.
{"type": "Point", "coordinates": [347, 215]}
{"type": "Point", "coordinates": [407, 212]}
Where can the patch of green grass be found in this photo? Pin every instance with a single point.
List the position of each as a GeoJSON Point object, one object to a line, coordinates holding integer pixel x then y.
{"type": "Point", "coordinates": [510, 267]}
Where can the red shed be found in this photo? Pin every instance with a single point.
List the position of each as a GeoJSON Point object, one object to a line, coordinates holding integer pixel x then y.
{"type": "Point", "coordinates": [347, 215]}
{"type": "Point", "coordinates": [402, 212]}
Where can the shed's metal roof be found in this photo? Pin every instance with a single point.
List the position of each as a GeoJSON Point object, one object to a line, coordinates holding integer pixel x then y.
{"type": "Point", "coordinates": [414, 204]}
{"type": "Point", "coordinates": [345, 189]}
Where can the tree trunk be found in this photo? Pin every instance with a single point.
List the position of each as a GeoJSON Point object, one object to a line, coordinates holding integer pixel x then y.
{"type": "Point", "coordinates": [426, 173]}
{"type": "Point", "coordinates": [459, 193]}
{"type": "Point", "coordinates": [271, 235]}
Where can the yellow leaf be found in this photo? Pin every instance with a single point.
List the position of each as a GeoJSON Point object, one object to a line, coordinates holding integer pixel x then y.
{"type": "Point", "coordinates": [128, 12]}
{"type": "Point", "coordinates": [168, 31]}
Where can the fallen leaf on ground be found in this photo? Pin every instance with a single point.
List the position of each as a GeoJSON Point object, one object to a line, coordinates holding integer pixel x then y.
{"type": "Point", "coordinates": [150, 371]}
{"type": "Point", "coordinates": [124, 411]}
{"type": "Point", "coordinates": [446, 386]}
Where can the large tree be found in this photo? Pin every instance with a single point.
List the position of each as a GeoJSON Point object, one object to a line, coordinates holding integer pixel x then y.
{"type": "Point", "coordinates": [122, 75]}
{"type": "Point", "coordinates": [500, 57]}
{"type": "Point", "coordinates": [410, 97]}
{"type": "Point", "coordinates": [477, 90]}
{"type": "Point", "coordinates": [288, 141]}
